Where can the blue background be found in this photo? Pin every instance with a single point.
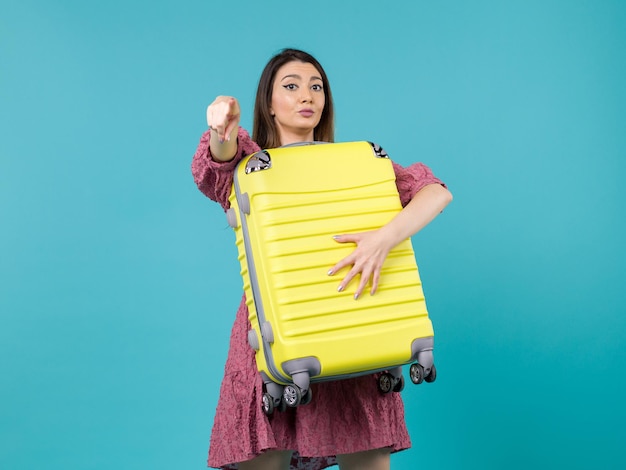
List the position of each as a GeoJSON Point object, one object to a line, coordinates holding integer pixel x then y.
{"type": "Point", "coordinates": [119, 282]}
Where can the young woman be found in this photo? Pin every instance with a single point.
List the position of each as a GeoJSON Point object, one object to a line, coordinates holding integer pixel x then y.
{"type": "Point", "coordinates": [349, 422]}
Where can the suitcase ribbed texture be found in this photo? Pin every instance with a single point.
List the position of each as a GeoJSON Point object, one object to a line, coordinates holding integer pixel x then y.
{"type": "Point", "coordinates": [295, 209]}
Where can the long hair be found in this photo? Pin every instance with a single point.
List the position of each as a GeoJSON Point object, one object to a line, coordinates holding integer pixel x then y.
{"type": "Point", "coordinates": [264, 130]}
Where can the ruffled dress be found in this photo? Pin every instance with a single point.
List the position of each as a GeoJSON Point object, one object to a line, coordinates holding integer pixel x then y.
{"type": "Point", "coordinates": [345, 416]}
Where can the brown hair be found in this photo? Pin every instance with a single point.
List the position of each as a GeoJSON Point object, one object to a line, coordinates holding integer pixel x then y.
{"type": "Point", "coordinates": [264, 130]}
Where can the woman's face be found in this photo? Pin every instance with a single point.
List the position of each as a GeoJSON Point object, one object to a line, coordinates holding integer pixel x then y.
{"type": "Point", "coordinates": [298, 100]}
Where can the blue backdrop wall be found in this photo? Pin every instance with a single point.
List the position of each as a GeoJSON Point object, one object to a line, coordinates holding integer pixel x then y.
{"type": "Point", "coordinates": [119, 282]}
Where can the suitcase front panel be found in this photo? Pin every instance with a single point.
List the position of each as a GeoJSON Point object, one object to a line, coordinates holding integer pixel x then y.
{"type": "Point", "coordinates": [290, 249]}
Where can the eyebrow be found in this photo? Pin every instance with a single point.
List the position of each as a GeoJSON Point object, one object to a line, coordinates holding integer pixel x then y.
{"type": "Point", "coordinates": [295, 75]}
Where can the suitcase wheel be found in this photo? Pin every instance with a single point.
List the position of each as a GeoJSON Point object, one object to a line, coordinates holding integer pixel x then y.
{"type": "Point", "coordinates": [399, 385]}
{"type": "Point", "coordinates": [269, 404]}
{"type": "Point", "coordinates": [307, 397]}
{"type": "Point", "coordinates": [386, 382]}
{"type": "Point", "coordinates": [432, 375]}
{"type": "Point", "coordinates": [282, 406]}
{"type": "Point", "coordinates": [416, 371]}
{"type": "Point", "coordinates": [292, 395]}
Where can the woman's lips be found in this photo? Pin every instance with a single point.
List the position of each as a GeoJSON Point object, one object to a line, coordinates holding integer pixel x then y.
{"type": "Point", "coordinates": [306, 112]}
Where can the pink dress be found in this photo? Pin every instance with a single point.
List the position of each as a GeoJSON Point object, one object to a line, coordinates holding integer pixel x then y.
{"type": "Point", "coordinates": [344, 416]}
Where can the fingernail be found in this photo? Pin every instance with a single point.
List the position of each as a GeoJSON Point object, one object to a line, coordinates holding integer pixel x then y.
{"type": "Point", "coordinates": [356, 296]}
{"type": "Point", "coordinates": [221, 141]}
{"type": "Point", "coordinates": [335, 237]}
{"type": "Point", "coordinates": [330, 272]}
{"type": "Point", "coordinates": [339, 289]}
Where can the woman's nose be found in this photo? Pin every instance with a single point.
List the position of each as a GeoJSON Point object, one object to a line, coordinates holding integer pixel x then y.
{"type": "Point", "coordinates": [306, 96]}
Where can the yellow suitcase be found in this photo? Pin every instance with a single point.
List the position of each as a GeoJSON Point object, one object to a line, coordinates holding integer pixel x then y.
{"type": "Point", "coordinates": [286, 205]}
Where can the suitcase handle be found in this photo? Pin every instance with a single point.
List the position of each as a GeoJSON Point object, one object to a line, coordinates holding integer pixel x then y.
{"type": "Point", "coordinates": [299, 144]}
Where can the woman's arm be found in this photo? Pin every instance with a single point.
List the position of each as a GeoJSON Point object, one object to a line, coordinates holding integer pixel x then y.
{"type": "Point", "coordinates": [423, 208]}
{"type": "Point", "coordinates": [214, 177]}
{"type": "Point", "coordinates": [374, 246]}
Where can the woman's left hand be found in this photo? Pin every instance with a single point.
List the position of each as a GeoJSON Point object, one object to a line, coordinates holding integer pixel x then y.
{"type": "Point", "coordinates": [373, 247]}
{"type": "Point", "coordinates": [367, 259]}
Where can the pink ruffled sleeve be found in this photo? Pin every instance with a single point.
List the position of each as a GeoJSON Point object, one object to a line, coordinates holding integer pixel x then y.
{"type": "Point", "coordinates": [411, 179]}
{"type": "Point", "coordinates": [215, 178]}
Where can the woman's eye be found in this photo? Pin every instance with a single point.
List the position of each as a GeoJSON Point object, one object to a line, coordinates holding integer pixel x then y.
{"type": "Point", "coordinates": [290, 86]}
{"type": "Point", "coordinates": [317, 87]}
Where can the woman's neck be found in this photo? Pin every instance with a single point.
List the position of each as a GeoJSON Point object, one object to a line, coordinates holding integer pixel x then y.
{"type": "Point", "coordinates": [287, 138]}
